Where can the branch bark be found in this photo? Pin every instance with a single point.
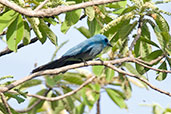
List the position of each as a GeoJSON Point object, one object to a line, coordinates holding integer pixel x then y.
{"type": "Point", "coordinates": [65, 95]}
{"type": "Point", "coordinates": [7, 50]}
{"type": "Point", "coordinates": [138, 34]}
{"type": "Point", "coordinates": [53, 11]}
{"type": "Point", "coordinates": [63, 69]}
{"type": "Point", "coordinates": [5, 103]}
{"type": "Point", "coordinates": [139, 78]}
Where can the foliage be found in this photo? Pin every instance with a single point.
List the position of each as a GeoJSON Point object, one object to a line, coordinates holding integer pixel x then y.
{"type": "Point", "coordinates": [119, 22]}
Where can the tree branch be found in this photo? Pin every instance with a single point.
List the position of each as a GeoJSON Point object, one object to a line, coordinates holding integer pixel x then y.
{"type": "Point", "coordinates": [41, 5]}
{"type": "Point", "coordinates": [5, 103]}
{"type": "Point", "coordinates": [155, 69]}
{"type": "Point", "coordinates": [137, 36]}
{"type": "Point", "coordinates": [151, 62]}
{"type": "Point", "coordinates": [65, 95]}
{"type": "Point", "coordinates": [139, 78]}
{"type": "Point", "coordinates": [53, 11]}
{"type": "Point", "coordinates": [7, 50]}
{"type": "Point", "coordinates": [60, 70]}
{"type": "Point", "coordinates": [69, 67]}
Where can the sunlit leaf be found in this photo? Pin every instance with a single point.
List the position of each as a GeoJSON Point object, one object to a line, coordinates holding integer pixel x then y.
{"type": "Point", "coordinates": [7, 18]}
{"type": "Point", "coordinates": [71, 18]}
{"type": "Point", "coordinates": [15, 33]}
{"type": "Point", "coordinates": [84, 31]}
{"type": "Point", "coordinates": [90, 13]}
{"type": "Point", "coordinates": [94, 26]}
{"type": "Point", "coordinates": [80, 109]}
{"type": "Point", "coordinates": [49, 33]}
{"type": "Point", "coordinates": [30, 83]}
{"type": "Point", "coordinates": [162, 75]}
{"type": "Point", "coordinates": [131, 69]}
{"type": "Point", "coordinates": [33, 100]}
{"type": "Point", "coordinates": [116, 97]}
{"type": "Point", "coordinates": [26, 36]}
{"type": "Point", "coordinates": [35, 22]}
{"type": "Point", "coordinates": [109, 74]}
{"type": "Point", "coordinates": [97, 70]}
{"type": "Point", "coordinates": [16, 97]}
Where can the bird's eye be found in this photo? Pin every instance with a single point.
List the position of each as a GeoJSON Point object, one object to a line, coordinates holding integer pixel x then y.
{"type": "Point", "coordinates": [106, 40]}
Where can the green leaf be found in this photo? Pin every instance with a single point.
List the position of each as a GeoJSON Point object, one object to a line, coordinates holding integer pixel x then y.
{"type": "Point", "coordinates": [80, 109]}
{"type": "Point", "coordinates": [162, 23]}
{"type": "Point", "coordinates": [84, 31]}
{"type": "Point", "coordinates": [30, 83]}
{"type": "Point", "coordinates": [50, 20]}
{"type": "Point", "coordinates": [131, 69]}
{"type": "Point", "coordinates": [156, 109]}
{"type": "Point", "coordinates": [128, 9]}
{"type": "Point", "coordinates": [117, 5]}
{"type": "Point", "coordinates": [162, 75]}
{"type": "Point", "coordinates": [97, 70]}
{"type": "Point", "coordinates": [109, 74]}
{"type": "Point", "coordinates": [54, 104]}
{"type": "Point", "coordinates": [71, 18]}
{"type": "Point", "coordinates": [142, 48]}
{"type": "Point", "coordinates": [35, 22]}
{"type": "Point", "coordinates": [15, 33]}
{"type": "Point", "coordinates": [73, 78]}
{"type": "Point", "coordinates": [116, 97]}
{"type": "Point", "coordinates": [26, 36]}
{"type": "Point", "coordinates": [124, 30]}
{"type": "Point", "coordinates": [153, 55]}
{"type": "Point", "coordinates": [45, 29]}
{"type": "Point", "coordinates": [6, 77]}
{"type": "Point", "coordinates": [94, 26]}
{"type": "Point", "coordinates": [3, 108]}
{"type": "Point", "coordinates": [88, 98]}
{"type": "Point", "coordinates": [59, 107]}
{"type": "Point", "coordinates": [89, 11]}
{"type": "Point", "coordinates": [33, 100]}
{"type": "Point", "coordinates": [6, 19]}
{"type": "Point", "coordinates": [50, 81]}
{"type": "Point", "coordinates": [16, 97]}
{"type": "Point", "coordinates": [149, 42]}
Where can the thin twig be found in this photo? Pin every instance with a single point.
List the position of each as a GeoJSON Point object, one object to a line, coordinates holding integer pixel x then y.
{"type": "Point", "coordinates": [138, 34]}
{"type": "Point", "coordinates": [65, 95]}
{"type": "Point", "coordinates": [139, 78]}
{"type": "Point", "coordinates": [5, 103]}
{"type": "Point", "coordinates": [35, 104]}
{"type": "Point", "coordinates": [155, 69]}
{"type": "Point", "coordinates": [98, 105]}
{"type": "Point", "coordinates": [53, 11]}
{"type": "Point", "coordinates": [41, 5]}
{"type": "Point", "coordinates": [151, 62]}
{"type": "Point", "coordinates": [7, 50]}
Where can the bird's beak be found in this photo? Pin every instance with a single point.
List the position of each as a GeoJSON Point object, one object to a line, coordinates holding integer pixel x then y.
{"type": "Point", "coordinates": [109, 45]}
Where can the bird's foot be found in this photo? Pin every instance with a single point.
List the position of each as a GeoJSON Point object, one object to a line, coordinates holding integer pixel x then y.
{"type": "Point", "coordinates": [98, 59]}
{"type": "Point", "coordinates": [85, 63]}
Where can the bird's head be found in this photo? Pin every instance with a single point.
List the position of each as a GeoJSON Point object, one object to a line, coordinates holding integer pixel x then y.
{"type": "Point", "coordinates": [103, 39]}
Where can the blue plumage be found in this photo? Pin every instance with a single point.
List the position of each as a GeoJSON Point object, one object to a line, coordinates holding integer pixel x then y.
{"type": "Point", "coordinates": [86, 50]}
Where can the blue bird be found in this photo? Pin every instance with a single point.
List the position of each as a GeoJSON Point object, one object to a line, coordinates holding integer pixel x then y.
{"type": "Point", "coordinates": [86, 50]}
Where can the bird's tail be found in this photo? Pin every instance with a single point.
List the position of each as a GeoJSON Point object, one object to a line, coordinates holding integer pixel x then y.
{"type": "Point", "coordinates": [51, 65]}
{"type": "Point", "coordinates": [63, 61]}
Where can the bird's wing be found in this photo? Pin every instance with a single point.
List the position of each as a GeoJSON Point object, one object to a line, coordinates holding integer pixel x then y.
{"type": "Point", "coordinates": [79, 49]}
{"type": "Point", "coordinates": [95, 50]}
